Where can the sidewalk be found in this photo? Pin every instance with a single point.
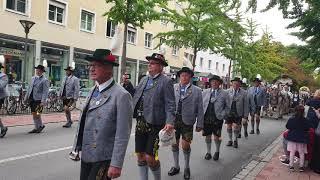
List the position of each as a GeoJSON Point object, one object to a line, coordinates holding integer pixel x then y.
{"type": "Point", "coordinates": [22, 120]}
{"type": "Point", "coordinates": [267, 166]}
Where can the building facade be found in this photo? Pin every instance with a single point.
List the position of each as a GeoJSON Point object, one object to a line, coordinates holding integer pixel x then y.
{"type": "Point", "coordinates": [66, 31]}
{"type": "Point", "coordinates": [210, 63]}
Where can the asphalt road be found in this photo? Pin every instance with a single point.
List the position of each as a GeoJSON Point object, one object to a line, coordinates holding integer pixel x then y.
{"type": "Point", "coordinates": [45, 156]}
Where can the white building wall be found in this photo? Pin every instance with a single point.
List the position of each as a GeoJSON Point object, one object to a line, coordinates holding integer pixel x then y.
{"type": "Point", "coordinates": [219, 64]}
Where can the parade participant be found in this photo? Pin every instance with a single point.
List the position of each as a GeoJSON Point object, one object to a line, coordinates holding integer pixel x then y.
{"type": "Point", "coordinates": [189, 109]}
{"type": "Point", "coordinates": [36, 96]}
{"type": "Point", "coordinates": [257, 99]}
{"type": "Point", "coordinates": [216, 108]}
{"type": "Point", "coordinates": [69, 93]}
{"type": "Point", "coordinates": [3, 95]}
{"type": "Point", "coordinates": [295, 99]}
{"type": "Point", "coordinates": [105, 122]}
{"type": "Point", "coordinates": [154, 109]}
{"type": "Point", "coordinates": [238, 105]}
{"type": "Point", "coordinates": [127, 84]}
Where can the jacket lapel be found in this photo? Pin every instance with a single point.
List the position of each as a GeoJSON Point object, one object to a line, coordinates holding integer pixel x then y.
{"type": "Point", "coordinates": [177, 89]}
{"type": "Point", "coordinates": [104, 98]}
{"type": "Point", "coordinates": [188, 92]}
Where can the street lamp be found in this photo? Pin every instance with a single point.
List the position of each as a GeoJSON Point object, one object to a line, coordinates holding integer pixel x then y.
{"type": "Point", "coordinates": [27, 25]}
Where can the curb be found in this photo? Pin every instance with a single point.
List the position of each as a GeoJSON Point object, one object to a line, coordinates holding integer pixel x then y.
{"type": "Point", "coordinates": [251, 170]}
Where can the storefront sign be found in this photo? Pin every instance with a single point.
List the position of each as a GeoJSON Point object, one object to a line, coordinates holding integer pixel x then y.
{"type": "Point", "coordinates": [11, 52]}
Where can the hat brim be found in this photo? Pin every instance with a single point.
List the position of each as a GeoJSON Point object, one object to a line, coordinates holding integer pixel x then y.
{"type": "Point", "coordinates": [185, 71]}
{"type": "Point", "coordinates": [256, 80]}
{"type": "Point", "coordinates": [157, 59]}
{"type": "Point", "coordinates": [91, 59]}
{"type": "Point", "coordinates": [40, 69]}
{"type": "Point", "coordinates": [236, 80]}
{"type": "Point", "coordinates": [68, 70]}
{"type": "Point", "coordinates": [220, 80]}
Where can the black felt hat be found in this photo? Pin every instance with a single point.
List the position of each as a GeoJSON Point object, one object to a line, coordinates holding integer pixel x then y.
{"type": "Point", "coordinates": [236, 79]}
{"type": "Point", "coordinates": [186, 70]}
{"type": "Point", "coordinates": [104, 56]}
{"type": "Point", "coordinates": [256, 80]}
{"type": "Point", "coordinates": [69, 68]}
{"type": "Point", "coordinates": [158, 57]}
{"type": "Point", "coordinates": [215, 77]}
{"type": "Point", "coordinates": [42, 68]}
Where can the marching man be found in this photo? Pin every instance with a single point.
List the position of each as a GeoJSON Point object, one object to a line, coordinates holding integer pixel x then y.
{"type": "Point", "coordinates": [238, 105]}
{"type": "Point", "coordinates": [105, 122]}
{"type": "Point", "coordinates": [3, 95]}
{"type": "Point", "coordinates": [189, 109]}
{"type": "Point", "coordinates": [37, 95]}
{"type": "Point", "coordinates": [69, 93]}
{"type": "Point", "coordinates": [257, 99]}
{"type": "Point", "coordinates": [154, 109]}
{"type": "Point", "coordinates": [216, 108]}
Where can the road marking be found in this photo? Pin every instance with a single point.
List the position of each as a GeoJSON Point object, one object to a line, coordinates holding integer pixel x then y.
{"type": "Point", "coordinates": [34, 154]}
{"type": "Point", "coordinates": [37, 154]}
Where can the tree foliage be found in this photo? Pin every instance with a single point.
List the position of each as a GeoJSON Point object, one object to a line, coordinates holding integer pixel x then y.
{"type": "Point", "coordinates": [200, 25]}
{"type": "Point", "coordinates": [135, 13]}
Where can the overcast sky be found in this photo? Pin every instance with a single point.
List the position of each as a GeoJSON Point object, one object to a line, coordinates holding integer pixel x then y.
{"type": "Point", "coordinates": [275, 23]}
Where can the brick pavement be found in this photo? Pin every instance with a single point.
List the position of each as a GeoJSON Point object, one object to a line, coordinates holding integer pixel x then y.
{"type": "Point", "coordinates": [267, 166]}
{"type": "Point", "coordinates": [22, 120]}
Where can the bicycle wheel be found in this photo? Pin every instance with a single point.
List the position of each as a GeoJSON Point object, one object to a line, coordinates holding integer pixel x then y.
{"type": "Point", "coordinates": [11, 105]}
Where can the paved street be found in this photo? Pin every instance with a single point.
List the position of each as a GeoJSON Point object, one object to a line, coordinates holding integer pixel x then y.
{"type": "Point", "coordinates": [45, 155]}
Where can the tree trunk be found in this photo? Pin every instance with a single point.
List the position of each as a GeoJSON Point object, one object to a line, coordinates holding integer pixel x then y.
{"type": "Point", "coordinates": [229, 74]}
{"type": "Point", "coordinates": [124, 50]}
{"type": "Point", "coordinates": [195, 51]}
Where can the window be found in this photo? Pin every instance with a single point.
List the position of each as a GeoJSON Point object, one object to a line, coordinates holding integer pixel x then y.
{"type": "Point", "coordinates": [217, 65]}
{"type": "Point", "coordinates": [175, 50]}
{"type": "Point", "coordinates": [132, 33]}
{"type": "Point", "coordinates": [163, 18]}
{"type": "Point", "coordinates": [148, 40]}
{"type": "Point", "coordinates": [57, 11]}
{"type": "Point", "coordinates": [201, 62]}
{"type": "Point", "coordinates": [87, 21]}
{"type": "Point", "coordinates": [111, 28]}
{"type": "Point", "coordinates": [209, 64]}
{"type": "Point", "coordinates": [17, 5]}
{"type": "Point", "coordinates": [223, 67]}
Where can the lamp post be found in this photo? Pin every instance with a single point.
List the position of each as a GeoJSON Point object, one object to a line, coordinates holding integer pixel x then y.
{"type": "Point", "coordinates": [27, 25]}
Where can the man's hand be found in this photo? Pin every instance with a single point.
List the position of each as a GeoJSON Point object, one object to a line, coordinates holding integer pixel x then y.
{"type": "Point", "coordinates": [198, 129]}
{"type": "Point", "coordinates": [114, 172]}
{"type": "Point", "coordinates": [168, 128]}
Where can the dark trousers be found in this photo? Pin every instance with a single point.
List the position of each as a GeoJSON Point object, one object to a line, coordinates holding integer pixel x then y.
{"type": "Point", "coordinates": [94, 170]}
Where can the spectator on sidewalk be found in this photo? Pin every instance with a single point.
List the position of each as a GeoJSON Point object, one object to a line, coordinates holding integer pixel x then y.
{"type": "Point", "coordinates": [3, 95]}
{"type": "Point", "coordinates": [297, 136]}
{"type": "Point", "coordinates": [315, 162]}
{"type": "Point", "coordinates": [36, 96]}
{"type": "Point", "coordinates": [313, 103]}
{"type": "Point", "coordinates": [126, 83]}
{"type": "Point", "coordinates": [69, 93]}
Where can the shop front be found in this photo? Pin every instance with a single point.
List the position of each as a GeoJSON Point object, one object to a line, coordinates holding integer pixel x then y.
{"type": "Point", "coordinates": [13, 53]}
{"type": "Point", "coordinates": [57, 59]}
{"type": "Point", "coordinates": [143, 69]}
{"type": "Point", "coordinates": [131, 68]}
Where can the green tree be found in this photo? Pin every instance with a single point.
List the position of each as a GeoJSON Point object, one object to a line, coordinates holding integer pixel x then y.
{"type": "Point", "coordinates": [135, 13]}
{"type": "Point", "coordinates": [200, 25]}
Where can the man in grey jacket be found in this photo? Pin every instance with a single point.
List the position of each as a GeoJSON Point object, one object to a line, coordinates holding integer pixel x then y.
{"type": "Point", "coordinates": [189, 110]}
{"type": "Point", "coordinates": [69, 93]}
{"type": "Point", "coordinates": [105, 122]}
{"type": "Point", "coordinates": [257, 99]}
{"type": "Point", "coordinates": [239, 108]}
{"type": "Point", "coordinates": [37, 95]}
{"type": "Point", "coordinates": [3, 95]}
{"type": "Point", "coordinates": [154, 109]}
{"type": "Point", "coordinates": [215, 106]}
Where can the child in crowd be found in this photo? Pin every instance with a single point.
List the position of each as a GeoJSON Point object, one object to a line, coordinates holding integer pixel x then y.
{"type": "Point", "coordinates": [297, 136]}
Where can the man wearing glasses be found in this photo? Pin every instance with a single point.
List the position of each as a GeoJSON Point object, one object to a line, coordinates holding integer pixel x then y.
{"type": "Point", "coordinates": [154, 109]}
{"type": "Point", "coordinates": [105, 122]}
